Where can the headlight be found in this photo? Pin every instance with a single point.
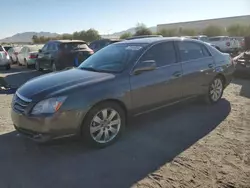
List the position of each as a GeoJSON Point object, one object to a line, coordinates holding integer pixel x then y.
{"type": "Point", "coordinates": [48, 106]}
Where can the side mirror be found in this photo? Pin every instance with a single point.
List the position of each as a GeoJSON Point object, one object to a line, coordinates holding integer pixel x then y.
{"type": "Point", "coordinates": [40, 51]}
{"type": "Point", "coordinates": [143, 66]}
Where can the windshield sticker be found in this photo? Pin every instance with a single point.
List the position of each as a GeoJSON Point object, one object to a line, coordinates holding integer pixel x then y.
{"type": "Point", "coordinates": [133, 48]}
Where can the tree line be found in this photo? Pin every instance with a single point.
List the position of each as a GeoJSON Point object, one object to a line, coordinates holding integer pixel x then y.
{"type": "Point", "coordinates": [210, 31]}
{"type": "Point", "coordinates": [141, 29]}
{"type": "Point", "coordinates": [88, 36]}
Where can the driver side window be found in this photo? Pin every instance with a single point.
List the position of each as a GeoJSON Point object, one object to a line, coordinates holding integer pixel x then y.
{"type": "Point", "coordinates": [163, 54]}
{"type": "Point", "coordinates": [45, 48]}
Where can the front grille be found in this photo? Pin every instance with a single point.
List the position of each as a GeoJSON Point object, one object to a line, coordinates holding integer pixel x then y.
{"type": "Point", "coordinates": [20, 103]}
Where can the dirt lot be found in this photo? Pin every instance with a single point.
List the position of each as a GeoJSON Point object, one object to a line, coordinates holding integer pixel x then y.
{"type": "Point", "coordinates": [189, 145]}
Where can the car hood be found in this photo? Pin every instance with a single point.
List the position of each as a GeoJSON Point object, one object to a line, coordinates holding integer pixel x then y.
{"type": "Point", "coordinates": [56, 83]}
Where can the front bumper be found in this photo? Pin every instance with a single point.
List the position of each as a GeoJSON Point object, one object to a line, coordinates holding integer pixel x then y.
{"type": "Point", "coordinates": [43, 129]}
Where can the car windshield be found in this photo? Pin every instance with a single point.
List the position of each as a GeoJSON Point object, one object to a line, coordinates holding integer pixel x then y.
{"type": "Point", "coordinates": [112, 58]}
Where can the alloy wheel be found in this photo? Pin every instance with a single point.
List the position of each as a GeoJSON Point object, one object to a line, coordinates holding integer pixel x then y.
{"type": "Point", "coordinates": [216, 90]}
{"type": "Point", "coordinates": [105, 125]}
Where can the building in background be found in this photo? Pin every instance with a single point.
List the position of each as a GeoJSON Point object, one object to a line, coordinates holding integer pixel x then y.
{"type": "Point", "coordinates": [202, 24]}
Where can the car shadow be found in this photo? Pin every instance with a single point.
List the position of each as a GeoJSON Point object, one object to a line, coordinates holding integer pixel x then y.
{"type": "Point", "coordinates": [245, 87]}
{"type": "Point", "coordinates": [150, 141]}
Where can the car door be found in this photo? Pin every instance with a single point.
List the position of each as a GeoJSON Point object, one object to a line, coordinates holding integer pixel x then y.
{"type": "Point", "coordinates": [26, 54]}
{"type": "Point", "coordinates": [48, 56]}
{"type": "Point", "coordinates": [155, 88]}
{"type": "Point", "coordinates": [198, 67]}
{"type": "Point", "coordinates": [21, 55]}
{"type": "Point", "coordinates": [41, 56]}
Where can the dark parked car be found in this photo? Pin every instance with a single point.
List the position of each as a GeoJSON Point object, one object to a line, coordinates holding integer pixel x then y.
{"type": "Point", "coordinates": [60, 54]}
{"type": "Point", "coordinates": [124, 79]}
{"type": "Point", "coordinates": [143, 36]}
{"type": "Point", "coordinates": [99, 44]}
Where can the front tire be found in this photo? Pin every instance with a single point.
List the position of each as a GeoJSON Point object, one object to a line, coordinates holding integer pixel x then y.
{"type": "Point", "coordinates": [104, 124]}
{"type": "Point", "coordinates": [215, 91]}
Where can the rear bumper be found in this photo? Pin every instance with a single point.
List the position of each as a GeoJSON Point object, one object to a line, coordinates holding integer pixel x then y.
{"type": "Point", "coordinates": [31, 61]}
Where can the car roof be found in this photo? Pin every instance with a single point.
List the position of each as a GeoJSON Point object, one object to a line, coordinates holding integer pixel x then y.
{"type": "Point", "coordinates": [152, 40]}
{"type": "Point", "coordinates": [113, 40]}
{"type": "Point", "coordinates": [66, 41]}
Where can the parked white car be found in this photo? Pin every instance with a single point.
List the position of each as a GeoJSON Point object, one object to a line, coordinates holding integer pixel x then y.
{"type": "Point", "coordinates": [4, 58]}
{"type": "Point", "coordinates": [13, 52]}
{"type": "Point", "coordinates": [225, 43]}
{"type": "Point", "coordinates": [28, 55]}
{"type": "Point", "coordinates": [241, 41]}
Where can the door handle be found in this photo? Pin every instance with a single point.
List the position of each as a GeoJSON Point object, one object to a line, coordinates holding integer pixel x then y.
{"type": "Point", "coordinates": [177, 74]}
{"type": "Point", "coordinates": [210, 65]}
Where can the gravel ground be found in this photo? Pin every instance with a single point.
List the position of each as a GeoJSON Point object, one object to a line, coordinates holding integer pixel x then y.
{"type": "Point", "coordinates": [189, 145]}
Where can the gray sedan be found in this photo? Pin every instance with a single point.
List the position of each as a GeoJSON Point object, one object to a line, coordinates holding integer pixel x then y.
{"type": "Point", "coordinates": [125, 79]}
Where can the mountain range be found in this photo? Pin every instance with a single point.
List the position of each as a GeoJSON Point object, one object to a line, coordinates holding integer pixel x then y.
{"type": "Point", "coordinates": [27, 36]}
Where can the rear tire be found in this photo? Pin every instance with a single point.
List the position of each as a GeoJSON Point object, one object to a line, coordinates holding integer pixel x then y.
{"type": "Point", "coordinates": [215, 90]}
{"type": "Point", "coordinates": [112, 125]}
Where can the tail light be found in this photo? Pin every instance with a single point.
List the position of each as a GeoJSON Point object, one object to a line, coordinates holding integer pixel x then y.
{"type": "Point", "coordinates": [33, 56]}
{"type": "Point", "coordinates": [242, 43]}
{"type": "Point", "coordinates": [91, 52]}
{"type": "Point", "coordinates": [228, 43]}
{"type": "Point", "coordinates": [16, 53]}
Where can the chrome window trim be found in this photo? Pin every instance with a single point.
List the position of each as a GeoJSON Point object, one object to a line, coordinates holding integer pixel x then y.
{"type": "Point", "coordinates": [23, 98]}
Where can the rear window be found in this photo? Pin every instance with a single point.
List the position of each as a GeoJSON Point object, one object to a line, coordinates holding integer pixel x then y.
{"type": "Point", "coordinates": [74, 46]}
{"type": "Point", "coordinates": [7, 48]}
{"type": "Point", "coordinates": [35, 48]}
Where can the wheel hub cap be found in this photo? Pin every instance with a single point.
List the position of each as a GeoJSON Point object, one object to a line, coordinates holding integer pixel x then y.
{"type": "Point", "coordinates": [216, 89]}
{"type": "Point", "coordinates": [105, 125]}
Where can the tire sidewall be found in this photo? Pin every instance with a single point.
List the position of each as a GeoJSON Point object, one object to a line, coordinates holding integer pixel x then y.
{"type": "Point", "coordinates": [85, 130]}
{"type": "Point", "coordinates": [208, 97]}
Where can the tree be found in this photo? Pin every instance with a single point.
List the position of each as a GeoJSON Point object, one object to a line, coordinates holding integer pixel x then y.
{"type": "Point", "coordinates": [167, 32]}
{"type": "Point", "coordinates": [213, 30]}
{"type": "Point", "coordinates": [66, 36]}
{"type": "Point", "coordinates": [141, 29]}
{"type": "Point", "coordinates": [91, 35]}
{"type": "Point", "coordinates": [35, 39]}
{"type": "Point", "coordinates": [238, 30]}
{"type": "Point", "coordinates": [76, 35]}
{"type": "Point", "coordinates": [187, 32]}
{"type": "Point", "coordinates": [125, 35]}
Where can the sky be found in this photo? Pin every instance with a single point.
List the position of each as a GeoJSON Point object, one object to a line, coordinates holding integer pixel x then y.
{"type": "Point", "coordinates": [108, 16]}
